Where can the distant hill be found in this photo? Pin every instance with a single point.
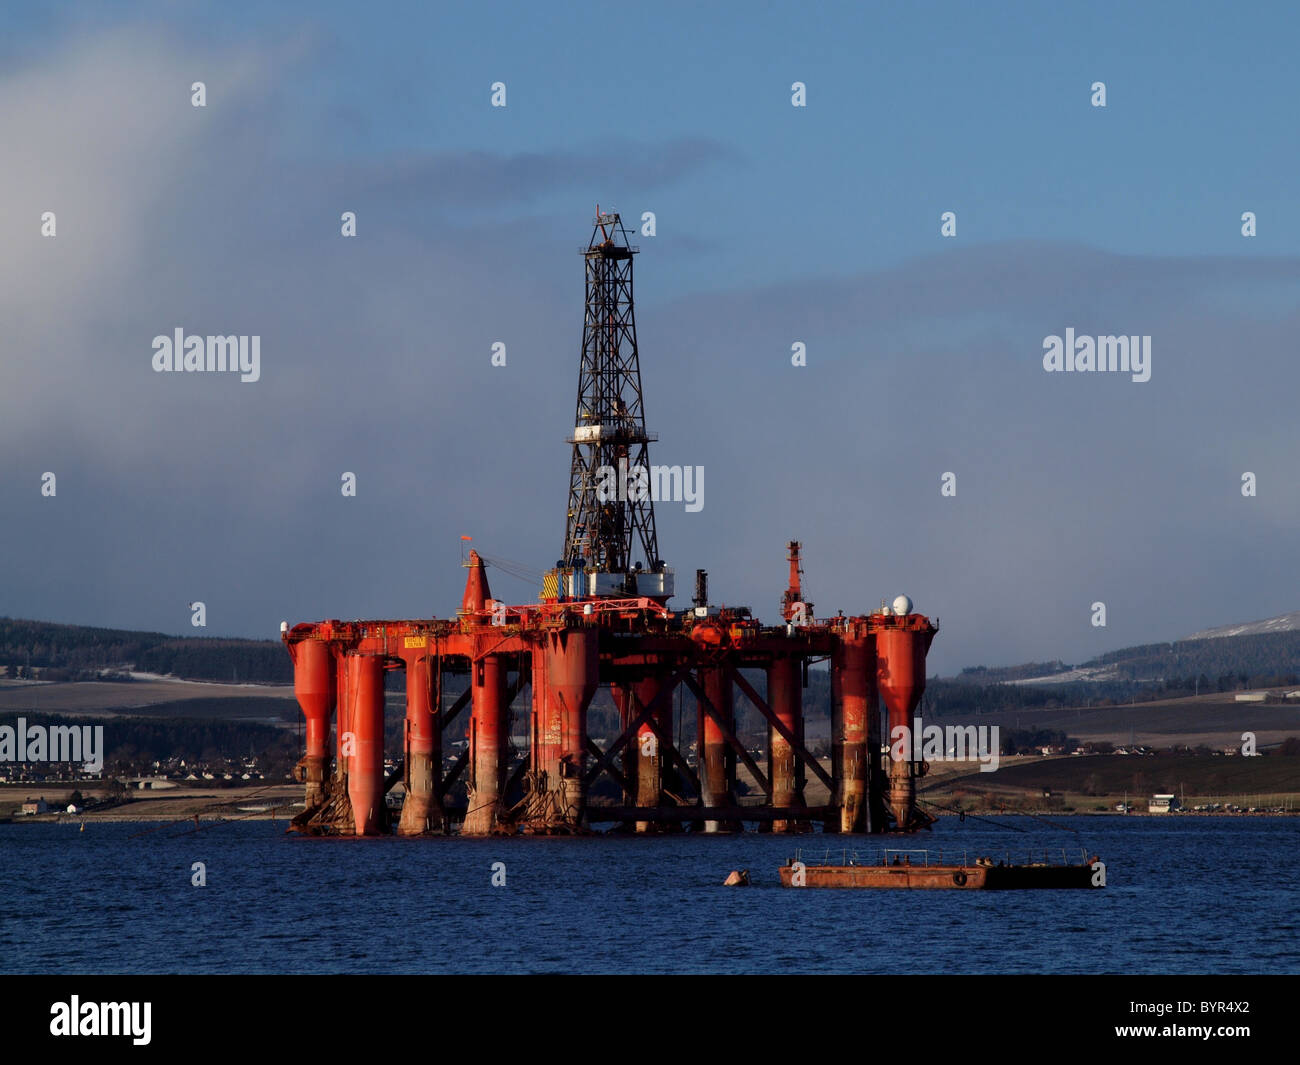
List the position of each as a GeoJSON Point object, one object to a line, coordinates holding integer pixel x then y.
{"type": "Point", "coordinates": [79, 652]}
{"type": "Point", "coordinates": [1283, 623]}
{"type": "Point", "coordinates": [1228, 662]}
{"type": "Point", "coordinates": [1266, 659]}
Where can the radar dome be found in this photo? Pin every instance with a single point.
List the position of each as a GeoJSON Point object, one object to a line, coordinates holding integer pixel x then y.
{"type": "Point", "coordinates": [902, 605]}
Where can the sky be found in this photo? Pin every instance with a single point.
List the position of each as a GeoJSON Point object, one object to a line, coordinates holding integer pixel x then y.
{"type": "Point", "coordinates": [775, 225]}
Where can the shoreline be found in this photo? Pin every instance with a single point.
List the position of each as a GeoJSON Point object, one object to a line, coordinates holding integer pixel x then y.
{"type": "Point", "coordinates": [286, 812]}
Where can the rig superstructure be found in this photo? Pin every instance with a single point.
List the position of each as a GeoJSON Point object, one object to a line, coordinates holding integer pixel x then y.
{"type": "Point", "coordinates": [603, 619]}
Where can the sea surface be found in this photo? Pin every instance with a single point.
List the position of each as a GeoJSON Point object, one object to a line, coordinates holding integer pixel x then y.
{"type": "Point", "coordinates": [1183, 895]}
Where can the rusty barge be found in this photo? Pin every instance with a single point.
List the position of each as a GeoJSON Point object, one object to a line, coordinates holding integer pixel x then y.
{"type": "Point", "coordinates": [983, 874]}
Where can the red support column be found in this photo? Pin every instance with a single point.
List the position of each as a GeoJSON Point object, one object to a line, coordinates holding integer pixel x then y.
{"type": "Point", "coordinates": [343, 738]}
{"type": "Point", "coordinates": [543, 737]}
{"type": "Point", "coordinates": [716, 759]}
{"type": "Point", "coordinates": [785, 700]}
{"type": "Point", "coordinates": [622, 693]}
{"type": "Point", "coordinates": [315, 685]}
{"type": "Point", "coordinates": [649, 758]}
{"type": "Point", "coordinates": [877, 820]}
{"type": "Point", "coordinates": [831, 822]}
{"type": "Point", "coordinates": [366, 774]}
{"type": "Point", "coordinates": [488, 745]}
{"type": "Point", "coordinates": [422, 810]}
{"type": "Point", "coordinates": [562, 691]}
{"type": "Point", "coordinates": [901, 646]}
{"type": "Point", "coordinates": [853, 669]}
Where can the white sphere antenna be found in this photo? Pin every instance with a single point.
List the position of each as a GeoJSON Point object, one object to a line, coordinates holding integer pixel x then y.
{"type": "Point", "coordinates": [902, 605]}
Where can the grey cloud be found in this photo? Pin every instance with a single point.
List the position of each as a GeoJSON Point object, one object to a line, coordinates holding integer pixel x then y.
{"type": "Point", "coordinates": [479, 179]}
{"type": "Point", "coordinates": [376, 361]}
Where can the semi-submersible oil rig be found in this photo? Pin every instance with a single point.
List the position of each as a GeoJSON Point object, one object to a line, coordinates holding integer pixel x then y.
{"type": "Point", "coordinates": [603, 619]}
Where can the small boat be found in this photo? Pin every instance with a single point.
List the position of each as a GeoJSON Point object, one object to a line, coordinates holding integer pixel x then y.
{"type": "Point", "coordinates": [901, 871]}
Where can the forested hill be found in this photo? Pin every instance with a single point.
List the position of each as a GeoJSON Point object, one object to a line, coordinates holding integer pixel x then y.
{"type": "Point", "coordinates": [1227, 663]}
{"type": "Point", "coordinates": [78, 652]}
{"type": "Point", "coordinates": [1258, 655]}
{"type": "Point", "coordinates": [1133, 674]}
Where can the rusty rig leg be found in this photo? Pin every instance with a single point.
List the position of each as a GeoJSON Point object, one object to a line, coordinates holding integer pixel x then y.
{"type": "Point", "coordinates": [877, 820]}
{"type": "Point", "coordinates": [717, 761]}
{"type": "Point", "coordinates": [857, 681]}
{"type": "Point", "coordinates": [570, 672]}
{"type": "Point", "coordinates": [624, 701]}
{"type": "Point", "coordinates": [835, 800]}
{"type": "Point", "coordinates": [901, 645]}
{"type": "Point", "coordinates": [366, 777]}
{"type": "Point", "coordinates": [785, 699]}
{"type": "Point", "coordinates": [487, 742]}
{"type": "Point", "coordinates": [422, 810]}
{"type": "Point", "coordinates": [315, 685]}
{"type": "Point", "coordinates": [902, 794]}
{"type": "Point", "coordinates": [648, 757]}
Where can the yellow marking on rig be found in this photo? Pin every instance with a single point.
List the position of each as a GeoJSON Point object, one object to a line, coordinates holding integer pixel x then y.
{"type": "Point", "coordinates": [417, 641]}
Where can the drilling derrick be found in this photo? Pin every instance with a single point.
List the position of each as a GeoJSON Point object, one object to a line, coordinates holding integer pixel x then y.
{"type": "Point", "coordinates": [610, 547]}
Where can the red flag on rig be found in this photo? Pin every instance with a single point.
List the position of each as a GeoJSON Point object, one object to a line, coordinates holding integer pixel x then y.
{"type": "Point", "coordinates": [467, 537]}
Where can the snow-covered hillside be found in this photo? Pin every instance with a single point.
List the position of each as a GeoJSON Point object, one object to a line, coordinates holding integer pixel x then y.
{"type": "Point", "coordinates": [1285, 623]}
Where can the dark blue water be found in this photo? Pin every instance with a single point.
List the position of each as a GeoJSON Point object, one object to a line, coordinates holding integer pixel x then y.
{"type": "Point", "coordinates": [1184, 895]}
